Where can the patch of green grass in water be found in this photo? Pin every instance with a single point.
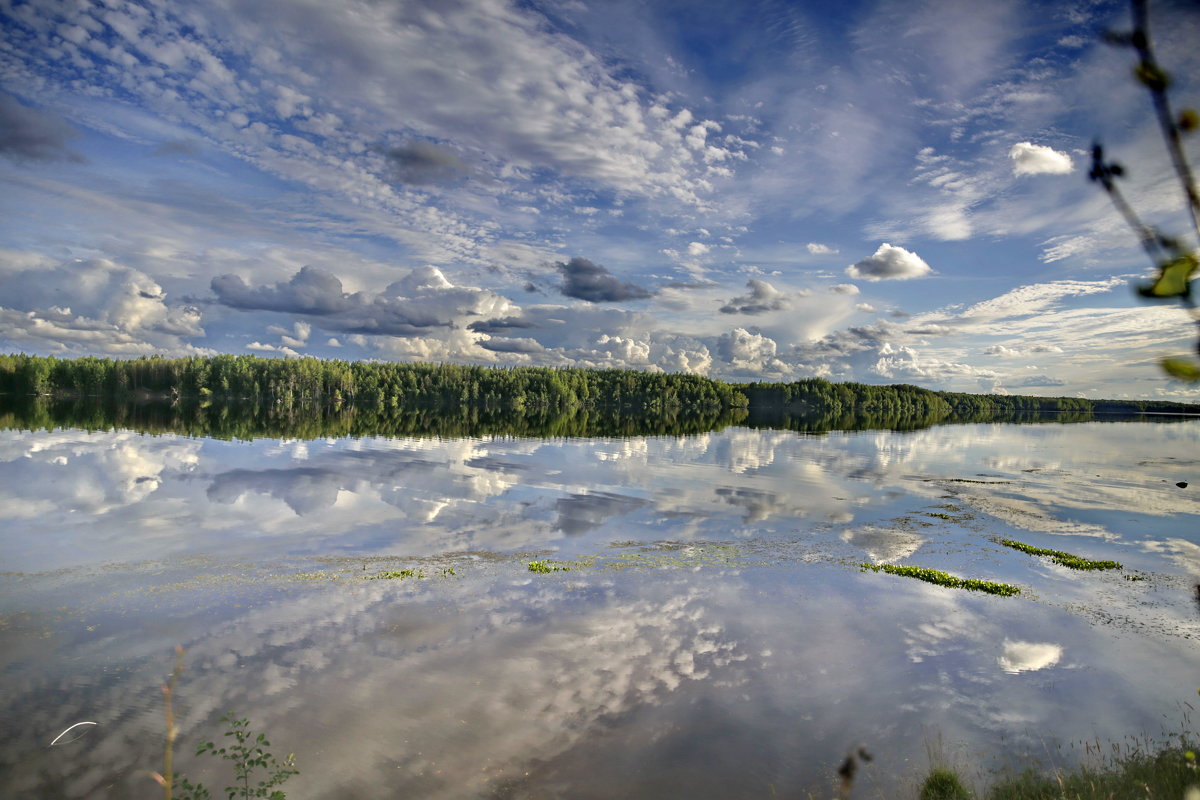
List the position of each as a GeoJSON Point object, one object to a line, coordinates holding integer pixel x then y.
{"type": "Point", "coordinates": [945, 579]}
{"type": "Point", "coordinates": [1059, 557]}
{"type": "Point", "coordinates": [655, 555]}
{"type": "Point", "coordinates": [397, 574]}
{"type": "Point", "coordinates": [547, 566]}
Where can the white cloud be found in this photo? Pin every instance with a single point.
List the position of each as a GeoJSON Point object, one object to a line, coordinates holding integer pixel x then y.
{"type": "Point", "coordinates": [818, 249]}
{"type": "Point", "coordinates": [889, 263]}
{"type": "Point", "coordinates": [844, 288]}
{"type": "Point", "coordinates": [750, 353]}
{"type": "Point", "coordinates": [1037, 159]}
{"type": "Point", "coordinates": [95, 306]}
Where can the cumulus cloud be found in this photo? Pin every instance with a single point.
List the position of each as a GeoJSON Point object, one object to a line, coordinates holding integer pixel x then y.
{"type": "Point", "coordinates": [585, 280]}
{"type": "Point", "coordinates": [818, 249]}
{"type": "Point", "coordinates": [95, 306]}
{"type": "Point", "coordinates": [423, 163]}
{"type": "Point", "coordinates": [312, 290]}
{"type": "Point", "coordinates": [889, 263]}
{"type": "Point", "coordinates": [411, 306]}
{"type": "Point", "coordinates": [1038, 159]}
{"type": "Point", "coordinates": [28, 134]}
{"type": "Point", "coordinates": [763, 297]}
{"type": "Point", "coordinates": [844, 288]}
{"type": "Point", "coordinates": [750, 353]}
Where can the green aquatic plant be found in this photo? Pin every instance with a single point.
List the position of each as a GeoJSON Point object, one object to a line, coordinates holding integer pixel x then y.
{"type": "Point", "coordinates": [547, 566]}
{"type": "Point", "coordinates": [1068, 560]}
{"type": "Point", "coordinates": [401, 574]}
{"type": "Point", "coordinates": [248, 753]}
{"type": "Point", "coordinates": [945, 579]}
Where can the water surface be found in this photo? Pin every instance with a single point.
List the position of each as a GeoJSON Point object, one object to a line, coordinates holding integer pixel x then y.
{"type": "Point", "coordinates": [714, 637]}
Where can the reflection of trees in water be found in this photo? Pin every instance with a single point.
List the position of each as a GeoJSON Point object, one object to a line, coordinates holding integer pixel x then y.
{"type": "Point", "coordinates": [252, 420]}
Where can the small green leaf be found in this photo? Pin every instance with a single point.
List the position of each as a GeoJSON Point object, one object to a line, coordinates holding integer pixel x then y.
{"type": "Point", "coordinates": [1182, 369]}
{"type": "Point", "coordinates": [1173, 278]}
{"type": "Point", "coordinates": [1152, 76]}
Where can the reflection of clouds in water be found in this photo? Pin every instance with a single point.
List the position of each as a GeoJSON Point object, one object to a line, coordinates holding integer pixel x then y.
{"type": "Point", "coordinates": [884, 545]}
{"type": "Point", "coordinates": [428, 495]}
{"type": "Point", "coordinates": [580, 513]}
{"type": "Point", "coordinates": [1029, 656]}
{"type": "Point", "coordinates": [941, 635]}
{"type": "Point", "coordinates": [1027, 514]}
{"type": "Point", "coordinates": [388, 678]}
{"type": "Point", "coordinates": [71, 471]}
{"type": "Point", "coordinates": [1185, 554]}
{"type": "Point", "coordinates": [749, 451]}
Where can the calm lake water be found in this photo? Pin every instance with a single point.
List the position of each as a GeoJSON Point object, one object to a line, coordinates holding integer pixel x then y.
{"type": "Point", "coordinates": [714, 637]}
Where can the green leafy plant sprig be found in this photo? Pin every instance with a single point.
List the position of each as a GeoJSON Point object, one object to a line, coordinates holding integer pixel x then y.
{"type": "Point", "coordinates": [1176, 263]}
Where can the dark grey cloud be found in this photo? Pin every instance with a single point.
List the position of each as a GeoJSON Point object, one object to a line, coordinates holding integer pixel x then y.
{"type": "Point", "coordinates": [516, 345]}
{"type": "Point", "coordinates": [762, 297]}
{"type": "Point", "coordinates": [27, 134]}
{"type": "Point", "coordinates": [423, 163]}
{"type": "Point", "coordinates": [501, 324]}
{"type": "Point", "coordinates": [1042, 380]}
{"type": "Point", "coordinates": [587, 281]}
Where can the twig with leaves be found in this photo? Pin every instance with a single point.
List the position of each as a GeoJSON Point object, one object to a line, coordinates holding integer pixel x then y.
{"type": "Point", "coordinates": [248, 753]}
{"type": "Point", "coordinates": [1176, 263]}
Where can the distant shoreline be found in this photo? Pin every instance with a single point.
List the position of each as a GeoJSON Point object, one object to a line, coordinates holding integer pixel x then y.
{"type": "Point", "coordinates": [308, 382]}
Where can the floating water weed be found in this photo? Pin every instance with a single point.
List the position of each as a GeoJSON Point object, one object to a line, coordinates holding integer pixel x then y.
{"type": "Point", "coordinates": [547, 566]}
{"type": "Point", "coordinates": [1059, 557]}
{"type": "Point", "coordinates": [946, 579]}
{"type": "Point", "coordinates": [401, 574]}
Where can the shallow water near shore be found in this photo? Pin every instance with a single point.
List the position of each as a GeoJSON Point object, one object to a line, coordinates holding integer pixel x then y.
{"type": "Point", "coordinates": [714, 635]}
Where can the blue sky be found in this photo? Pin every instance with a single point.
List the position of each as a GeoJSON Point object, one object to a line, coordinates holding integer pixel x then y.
{"type": "Point", "coordinates": [886, 191]}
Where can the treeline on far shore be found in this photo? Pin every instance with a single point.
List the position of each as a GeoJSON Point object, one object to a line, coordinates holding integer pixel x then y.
{"type": "Point", "coordinates": [370, 387]}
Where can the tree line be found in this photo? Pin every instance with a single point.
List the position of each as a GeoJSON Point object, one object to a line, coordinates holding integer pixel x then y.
{"type": "Point", "coordinates": [252, 382]}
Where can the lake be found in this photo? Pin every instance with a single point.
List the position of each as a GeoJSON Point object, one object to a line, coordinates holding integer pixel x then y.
{"type": "Point", "coordinates": [708, 632]}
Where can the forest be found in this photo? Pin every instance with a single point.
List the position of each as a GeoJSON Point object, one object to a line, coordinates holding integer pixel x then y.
{"type": "Point", "coordinates": [275, 388]}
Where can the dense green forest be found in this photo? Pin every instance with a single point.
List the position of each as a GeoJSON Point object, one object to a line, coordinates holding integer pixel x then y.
{"type": "Point", "coordinates": [241, 394]}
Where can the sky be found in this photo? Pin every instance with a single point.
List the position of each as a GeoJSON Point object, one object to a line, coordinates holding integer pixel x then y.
{"type": "Point", "coordinates": [885, 191]}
